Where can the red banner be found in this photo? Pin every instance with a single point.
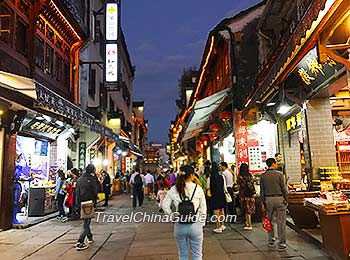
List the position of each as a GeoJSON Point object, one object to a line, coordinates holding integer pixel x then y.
{"type": "Point", "coordinates": [241, 139]}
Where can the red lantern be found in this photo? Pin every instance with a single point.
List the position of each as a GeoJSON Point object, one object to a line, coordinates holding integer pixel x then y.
{"type": "Point", "coordinates": [203, 138]}
{"type": "Point", "coordinates": [225, 115]}
{"type": "Point", "coordinates": [214, 127]}
{"type": "Point", "coordinates": [213, 136]}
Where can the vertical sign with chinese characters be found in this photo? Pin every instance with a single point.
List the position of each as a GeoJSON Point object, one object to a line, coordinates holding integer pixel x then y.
{"type": "Point", "coordinates": [82, 155]}
{"type": "Point", "coordinates": [111, 62]}
{"type": "Point", "coordinates": [112, 21]}
{"type": "Point", "coordinates": [111, 44]}
{"type": "Point", "coordinates": [241, 139]}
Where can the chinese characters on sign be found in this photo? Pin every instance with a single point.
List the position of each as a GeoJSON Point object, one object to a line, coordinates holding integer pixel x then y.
{"type": "Point", "coordinates": [241, 136]}
{"type": "Point", "coordinates": [310, 68]}
{"type": "Point", "coordinates": [111, 62]}
{"type": "Point", "coordinates": [45, 128]}
{"type": "Point", "coordinates": [112, 21]}
{"type": "Point", "coordinates": [82, 155]}
{"type": "Point", "coordinates": [294, 122]}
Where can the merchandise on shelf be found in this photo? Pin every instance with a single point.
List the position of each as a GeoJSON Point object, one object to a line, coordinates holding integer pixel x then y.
{"type": "Point", "coordinates": [329, 202]}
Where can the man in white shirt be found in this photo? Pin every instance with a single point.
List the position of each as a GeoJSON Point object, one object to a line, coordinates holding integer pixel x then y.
{"type": "Point", "coordinates": [231, 210]}
{"type": "Point", "coordinates": [149, 180]}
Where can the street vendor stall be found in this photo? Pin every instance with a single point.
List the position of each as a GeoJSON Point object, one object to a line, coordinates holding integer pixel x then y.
{"type": "Point", "coordinates": [334, 214]}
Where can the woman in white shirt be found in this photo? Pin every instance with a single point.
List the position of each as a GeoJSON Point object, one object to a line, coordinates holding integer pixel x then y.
{"type": "Point", "coordinates": [187, 232]}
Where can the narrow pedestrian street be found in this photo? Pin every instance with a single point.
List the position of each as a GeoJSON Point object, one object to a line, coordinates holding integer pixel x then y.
{"type": "Point", "coordinates": [131, 241]}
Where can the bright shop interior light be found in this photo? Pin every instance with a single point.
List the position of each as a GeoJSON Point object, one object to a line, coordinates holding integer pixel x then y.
{"type": "Point", "coordinates": [119, 151]}
{"type": "Point", "coordinates": [283, 109]}
{"type": "Point", "coordinates": [96, 161]}
{"type": "Point", "coordinates": [47, 118]}
{"type": "Point", "coordinates": [124, 153]}
{"type": "Point", "coordinates": [105, 162]}
{"type": "Point", "coordinates": [60, 123]}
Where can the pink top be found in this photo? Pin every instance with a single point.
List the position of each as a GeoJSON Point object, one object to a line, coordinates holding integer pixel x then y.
{"type": "Point", "coordinates": [160, 196]}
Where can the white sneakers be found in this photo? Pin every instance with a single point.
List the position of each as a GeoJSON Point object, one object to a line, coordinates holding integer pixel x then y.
{"type": "Point", "coordinates": [248, 228]}
{"type": "Point", "coordinates": [220, 229]}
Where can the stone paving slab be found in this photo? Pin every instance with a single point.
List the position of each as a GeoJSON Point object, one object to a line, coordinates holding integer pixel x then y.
{"type": "Point", "coordinates": [53, 240]}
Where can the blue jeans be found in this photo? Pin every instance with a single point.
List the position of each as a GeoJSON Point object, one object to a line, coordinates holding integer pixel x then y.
{"type": "Point", "coordinates": [192, 233]}
{"type": "Point", "coordinates": [86, 231]}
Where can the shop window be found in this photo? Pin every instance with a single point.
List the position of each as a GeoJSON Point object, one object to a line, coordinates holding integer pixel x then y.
{"type": "Point", "coordinates": [92, 84]}
{"type": "Point", "coordinates": [24, 7]}
{"type": "Point", "coordinates": [49, 34]}
{"type": "Point", "coordinates": [66, 75]}
{"type": "Point", "coordinates": [41, 25]}
{"type": "Point", "coordinates": [39, 52]}
{"type": "Point", "coordinates": [21, 37]}
{"type": "Point", "coordinates": [58, 67]}
{"type": "Point", "coordinates": [49, 60]}
{"type": "Point", "coordinates": [5, 25]}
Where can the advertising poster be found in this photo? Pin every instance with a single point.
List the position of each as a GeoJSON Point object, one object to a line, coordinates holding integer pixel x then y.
{"type": "Point", "coordinates": [32, 157]}
{"type": "Point", "coordinates": [262, 145]}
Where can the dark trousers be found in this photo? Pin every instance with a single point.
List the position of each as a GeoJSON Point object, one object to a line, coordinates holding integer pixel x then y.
{"type": "Point", "coordinates": [85, 231]}
{"type": "Point", "coordinates": [137, 195]}
{"type": "Point", "coordinates": [60, 201]}
{"type": "Point", "coordinates": [106, 198]}
{"type": "Point", "coordinates": [231, 207]}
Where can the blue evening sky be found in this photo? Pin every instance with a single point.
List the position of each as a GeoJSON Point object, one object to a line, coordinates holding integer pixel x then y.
{"type": "Point", "coordinates": [163, 38]}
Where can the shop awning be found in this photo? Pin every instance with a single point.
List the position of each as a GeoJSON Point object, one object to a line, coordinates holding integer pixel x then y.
{"type": "Point", "coordinates": [134, 149]}
{"type": "Point", "coordinates": [48, 99]}
{"type": "Point", "coordinates": [202, 112]}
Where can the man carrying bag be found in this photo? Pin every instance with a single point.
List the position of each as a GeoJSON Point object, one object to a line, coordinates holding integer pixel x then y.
{"type": "Point", "coordinates": [86, 193]}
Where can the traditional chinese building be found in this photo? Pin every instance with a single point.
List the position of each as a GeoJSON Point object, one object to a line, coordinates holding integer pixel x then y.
{"type": "Point", "coordinates": [303, 83]}
{"type": "Point", "coordinates": [40, 44]}
{"type": "Point", "coordinates": [229, 63]}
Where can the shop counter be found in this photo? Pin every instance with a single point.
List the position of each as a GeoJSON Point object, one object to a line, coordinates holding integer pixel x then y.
{"type": "Point", "coordinates": [335, 230]}
{"type": "Point", "coordinates": [41, 201]}
{"type": "Point", "coordinates": [303, 217]}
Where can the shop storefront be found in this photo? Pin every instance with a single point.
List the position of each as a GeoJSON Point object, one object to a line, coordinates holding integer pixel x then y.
{"type": "Point", "coordinates": [306, 92]}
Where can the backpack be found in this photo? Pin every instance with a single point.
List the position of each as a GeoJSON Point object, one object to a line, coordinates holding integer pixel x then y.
{"type": "Point", "coordinates": [138, 183]}
{"type": "Point", "coordinates": [186, 209]}
{"type": "Point", "coordinates": [249, 189]}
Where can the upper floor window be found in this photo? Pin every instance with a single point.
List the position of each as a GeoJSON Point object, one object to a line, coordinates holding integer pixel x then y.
{"type": "Point", "coordinates": [49, 33]}
{"type": "Point", "coordinates": [5, 24]}
{"type": "Point", "coordinates": [49, 60]}
{"type": "Point", "coordinates": [21, 37]}
{"type": "Point", "coordinates": [58, 67]}
{"type": "Point", "coordinates": [24, 7]}
{"type": "Point", "coordinates": [92, 83]}
{"type": "Point", "coordinates": [39, 52]}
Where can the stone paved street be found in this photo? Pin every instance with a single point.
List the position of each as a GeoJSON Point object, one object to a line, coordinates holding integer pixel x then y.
{"type": "Point", "coordinates": [136, 241]}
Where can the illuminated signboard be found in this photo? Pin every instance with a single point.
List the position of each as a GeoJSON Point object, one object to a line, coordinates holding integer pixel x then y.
{"type": "Point", "coordinates": [294, 122]}
{"type": "Point", "coordinates": [111, 62]}
{"type": "Point", "coordinates": [43, 128]}
{"type": "Point", "coordinates": [82, 155]}
{"type": "Point", "coordinates": [112, 21]}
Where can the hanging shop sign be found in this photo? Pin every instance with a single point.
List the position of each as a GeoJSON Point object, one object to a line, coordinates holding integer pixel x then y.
{"type": "Point", "coordinates": [51, 100]}
{"type": "Point", "coordinates": [111, 21]}
{"type": "Point", "coordinates": [111, 62]}
{"type": "Point", "coordinates": [43, 128]}
{"type": "Point", "coordinates": [294, 122]}
{"type": "Point", "coordinates": [82, 155]}
{"type": "Point", "coordinates": [312, 73]}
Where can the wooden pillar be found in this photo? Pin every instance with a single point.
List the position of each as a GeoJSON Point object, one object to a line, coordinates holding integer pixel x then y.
{"type": "Point", "coordinates": [7, 184]}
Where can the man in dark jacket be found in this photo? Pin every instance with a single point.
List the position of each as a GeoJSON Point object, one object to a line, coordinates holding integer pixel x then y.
{"type": "Point", "coordinates": [86, 190]}
{"type": "Point", "coordinates": [106, 183]}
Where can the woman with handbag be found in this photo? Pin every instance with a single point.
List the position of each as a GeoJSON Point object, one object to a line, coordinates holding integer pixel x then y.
{"type": "Point", "coordinates": [246, 194]}
{"type": "Point", "coordinates": [217, 200]}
